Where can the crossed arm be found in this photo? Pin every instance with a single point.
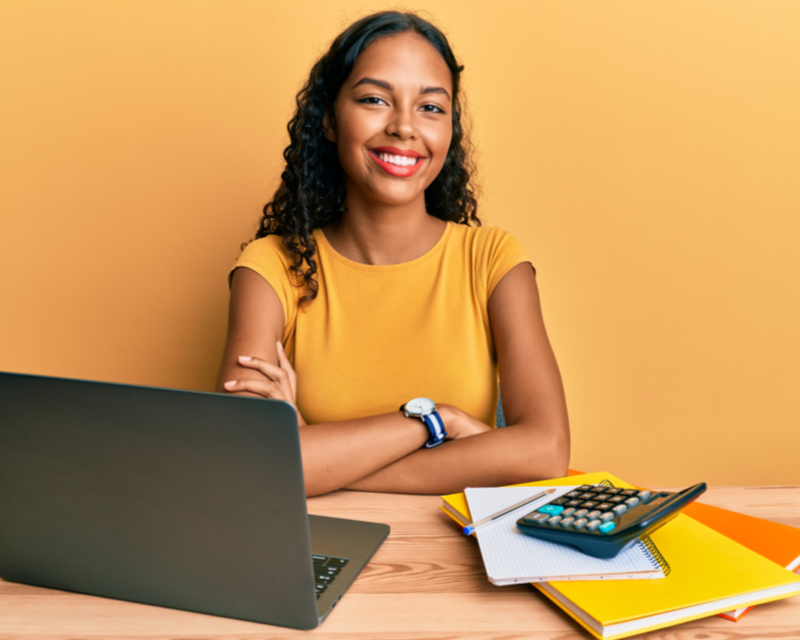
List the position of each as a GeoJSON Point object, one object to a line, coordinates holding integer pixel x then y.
{"type": "Point", "coordinates": [382, 453]}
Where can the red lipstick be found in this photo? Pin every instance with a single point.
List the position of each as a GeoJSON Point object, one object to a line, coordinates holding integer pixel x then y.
{"type": "Point", "coordinates": [395, 161]}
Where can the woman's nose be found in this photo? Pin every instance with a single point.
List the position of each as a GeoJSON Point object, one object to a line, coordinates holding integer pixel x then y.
{"type": "Point", "coordinates": [402, 124]}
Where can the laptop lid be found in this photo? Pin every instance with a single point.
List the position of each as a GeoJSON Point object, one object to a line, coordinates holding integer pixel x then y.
{"type": "Point", "coordinates": [182, 499]}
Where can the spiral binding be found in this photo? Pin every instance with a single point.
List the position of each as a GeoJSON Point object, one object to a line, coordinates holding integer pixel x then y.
{"type": "Point", "coordinates": [653, 549]}
{"type": "Point", "coordinates": [648, 543]}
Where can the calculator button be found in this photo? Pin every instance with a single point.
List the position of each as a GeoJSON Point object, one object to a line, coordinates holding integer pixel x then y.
{"type": "Point", "coordinates": [602, 498]}
{"type": "Point", "coordinates": [629, 492]}
{"type": "Point", "coordinates": [607, 516]}
{"type": "Point", "coordinates": [589, 504]}
{"type": "Point", "coordinates": [593, 515]}
{"type": "Point", "coordinates": [613, 492]}
{"type": "Point", "coordinates": [566, 522]}
{"type": "Point", "coordinates": [598, 489]}
{"type": "Point", "coordinates": [604, 507]}
{"type": "Point", "coordinates": [554, 520]}
{"type": "Point", "coordinates": [573, 494]}
{"type": "Point", "coordinates": [536, 518]}
{"type": "Point", "coordinates": [616, 499]}
{"type": "Point", "coordinates": [644, 496]}
{"type": "Point", "coordinates": [580, 513]}
{"type": "Point", "coordinates": [632, 502]}
{"type": "Point", "coordinates": [607, 527]}
{"type": "Point", "coordinates": [574, 503]}
{"type": "Point", "coordinates": [593, 525]}
{"type": "Point", "coordinates": [580, 523]}
{"type": "Point", "coordinates": [584, 487]}
{"type": "Point", "coordinates": [558, 501]}
{"type": "Point", "coordinates": [620, 509]}
{"type": "Point", "coordinates": [550, 509]}
{"type": "Point", "coordinates": [587, 496]}
{"type": "Point", "coordinates": [568, 512]}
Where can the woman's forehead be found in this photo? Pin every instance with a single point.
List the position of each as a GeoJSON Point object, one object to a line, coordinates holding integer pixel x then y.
{"type": "Point", "coordinates": [402, 59]}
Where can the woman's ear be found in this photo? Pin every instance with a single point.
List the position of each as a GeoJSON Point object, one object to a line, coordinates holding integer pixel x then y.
{"type": "Point", "coordinates": [328, 127]}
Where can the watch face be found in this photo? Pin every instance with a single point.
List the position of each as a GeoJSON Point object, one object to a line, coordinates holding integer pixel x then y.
{"type": "Point", "coordinates": [420, 406]}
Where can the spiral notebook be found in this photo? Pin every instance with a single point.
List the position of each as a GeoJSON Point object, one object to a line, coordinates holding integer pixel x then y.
{"type": "Point", "coordinates": [511, 557]}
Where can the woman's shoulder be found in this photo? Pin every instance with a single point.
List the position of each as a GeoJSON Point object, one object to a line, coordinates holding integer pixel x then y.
{"type": "Point", "coordinates": [267, 252]}
{"type": "Point", "coordinates": [266, 246]}
{"type": "Point", "coordinates": [487, 242]}
{"type": "Point", "coordinates": [492, 252]}
{"type": "Point", "coordinates": [269, 258]}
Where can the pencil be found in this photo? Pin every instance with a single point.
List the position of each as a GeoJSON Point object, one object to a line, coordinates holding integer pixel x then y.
{"type": "Point", "coordinates": [470, 528]}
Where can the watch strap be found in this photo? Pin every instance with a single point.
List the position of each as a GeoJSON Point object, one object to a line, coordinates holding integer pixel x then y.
{"type": "Point", "coordinates": [435, 426]}
{"type": "Point", "coordinates": [433, 421]}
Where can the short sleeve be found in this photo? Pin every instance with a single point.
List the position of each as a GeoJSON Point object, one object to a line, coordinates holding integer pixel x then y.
{"type": "Point", "coordinates": [499, 253]}
{"type": "Point", "coordinates": [268, 258]}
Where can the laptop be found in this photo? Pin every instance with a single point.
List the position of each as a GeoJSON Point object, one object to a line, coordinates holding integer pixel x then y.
{"type": "Point", "coordinates": [181, 499]}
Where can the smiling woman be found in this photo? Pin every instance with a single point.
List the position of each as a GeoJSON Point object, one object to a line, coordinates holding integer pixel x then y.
{"type": "Point", "coordinates": [414, 108]}
{"type": "Point", "coordinates": [372, 285]}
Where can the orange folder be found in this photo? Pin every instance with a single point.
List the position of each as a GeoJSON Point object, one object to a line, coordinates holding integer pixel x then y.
{"type": "Point", "coordinates": [778, 542]}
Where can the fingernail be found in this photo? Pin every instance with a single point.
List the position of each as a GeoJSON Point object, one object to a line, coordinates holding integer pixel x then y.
{"type": "Point", "coordinates": [245, 358]}
{"type": "Point", "coordinates": [230, 384]}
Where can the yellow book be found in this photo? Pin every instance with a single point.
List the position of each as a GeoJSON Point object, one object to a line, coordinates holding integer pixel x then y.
{"type": "Point", "coordinates": [455, 505]}
{"type": "Point", "coordinates": [708, 574]}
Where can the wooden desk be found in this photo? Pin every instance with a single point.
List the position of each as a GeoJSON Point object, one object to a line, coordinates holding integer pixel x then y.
{"type": "Point", "coordinates": [426, 582]}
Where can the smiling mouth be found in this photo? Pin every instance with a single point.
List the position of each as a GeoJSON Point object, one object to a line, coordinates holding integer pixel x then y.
{"type": "Point", "coordinates": [398, 161]}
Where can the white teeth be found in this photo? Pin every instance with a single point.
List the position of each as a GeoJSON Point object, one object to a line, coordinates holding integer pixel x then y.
{"type": "Point", "coordinates": [403, 161]}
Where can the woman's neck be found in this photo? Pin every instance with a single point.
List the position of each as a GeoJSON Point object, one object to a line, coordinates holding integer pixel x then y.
{"type": "Point", "coordinates": [383, 234]}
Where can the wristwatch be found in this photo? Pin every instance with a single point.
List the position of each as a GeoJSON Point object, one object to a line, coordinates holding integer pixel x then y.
{"type": "Point", "coordinates": [425, 410]}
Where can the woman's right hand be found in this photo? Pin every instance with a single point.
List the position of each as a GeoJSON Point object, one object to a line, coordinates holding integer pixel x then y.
{"type": "Point", "coordinates": [279, 382]}
{"type": "Point", "coordinates": [460, 424]}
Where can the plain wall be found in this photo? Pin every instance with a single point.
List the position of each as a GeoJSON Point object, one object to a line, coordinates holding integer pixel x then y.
{"type": "Point", "coordinates": [647, 154]}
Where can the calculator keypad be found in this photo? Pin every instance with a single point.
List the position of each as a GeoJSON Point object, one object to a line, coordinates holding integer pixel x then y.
{"type": "Point", "coordinates": [602, 520]}
{"type": "Point", "coordinates": [589, 508]}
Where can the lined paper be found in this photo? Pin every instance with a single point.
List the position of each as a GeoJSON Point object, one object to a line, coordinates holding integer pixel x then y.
{"type": "Point", "coordinates": [511, 557]}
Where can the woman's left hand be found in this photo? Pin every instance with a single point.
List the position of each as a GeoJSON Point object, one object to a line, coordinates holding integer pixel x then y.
{"type": "Point", "coordinates": [279, 383]}
{"type": "Point", "coordinates": [459, 424]}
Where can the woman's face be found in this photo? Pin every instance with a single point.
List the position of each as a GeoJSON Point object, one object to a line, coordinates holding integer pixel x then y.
{"type": "Point", "coordinates": [393, 120]}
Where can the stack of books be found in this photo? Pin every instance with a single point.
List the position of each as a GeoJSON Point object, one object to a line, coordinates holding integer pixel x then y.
{"type": "Point", "coordinates": [717, 562]}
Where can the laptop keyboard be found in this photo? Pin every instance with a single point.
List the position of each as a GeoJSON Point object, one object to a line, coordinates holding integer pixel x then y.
{"type": "Point", "coordinates": [326, 568]}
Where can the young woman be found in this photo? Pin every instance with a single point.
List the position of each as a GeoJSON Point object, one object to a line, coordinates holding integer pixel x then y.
{"type": "Point", "coordinates": [371, 286]}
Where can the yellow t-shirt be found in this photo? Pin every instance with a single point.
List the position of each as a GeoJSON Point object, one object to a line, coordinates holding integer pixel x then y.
{"type": "Point", "coordinates": [377, 336]}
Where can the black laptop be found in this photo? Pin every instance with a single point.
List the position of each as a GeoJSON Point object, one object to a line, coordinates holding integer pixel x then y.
{"type": "Point", "coordinates": [175, 498]}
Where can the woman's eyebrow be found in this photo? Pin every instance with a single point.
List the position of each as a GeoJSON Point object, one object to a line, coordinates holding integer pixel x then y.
{"type": "Point", "coordinates": [427, 90]}
{"type": "Point", "coordinates": [385, 85]}
{"type": "Point", "coordinates": [378, 83]}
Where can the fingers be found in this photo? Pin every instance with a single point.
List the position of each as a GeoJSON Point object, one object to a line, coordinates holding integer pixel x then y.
{"type": "Point", "coordinates": [280, 381]}
{"type": "Point", "coordinates": [460, 424]}
{"type": "Point", "coordinates": [263, 388]}
{"type": "Point", "coordinates": [270, 370]}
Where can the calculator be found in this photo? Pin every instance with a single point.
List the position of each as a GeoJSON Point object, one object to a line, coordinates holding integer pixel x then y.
{"type": "Point", "coordinates": [602, 520]}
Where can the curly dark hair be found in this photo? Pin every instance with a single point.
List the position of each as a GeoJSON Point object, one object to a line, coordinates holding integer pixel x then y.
{"type": "Point", "coordinates": [312, 190]}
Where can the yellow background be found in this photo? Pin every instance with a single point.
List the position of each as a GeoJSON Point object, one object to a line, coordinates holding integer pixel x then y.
{"type": "Point", "coordinates": [646, 153]}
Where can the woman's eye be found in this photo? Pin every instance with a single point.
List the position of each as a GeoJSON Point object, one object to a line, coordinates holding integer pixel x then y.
{"type": "Point", "coordinates": [432, 108]}
{"type": "Point", "coordinates": [371, 100]}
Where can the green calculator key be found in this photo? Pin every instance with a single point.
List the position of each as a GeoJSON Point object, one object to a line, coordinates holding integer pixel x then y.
{"type": "Point", "coordinates": [551, 509]}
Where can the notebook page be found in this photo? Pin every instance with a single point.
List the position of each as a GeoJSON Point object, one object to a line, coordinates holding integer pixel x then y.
{"type": "Point", "coordinates": [511, 556]}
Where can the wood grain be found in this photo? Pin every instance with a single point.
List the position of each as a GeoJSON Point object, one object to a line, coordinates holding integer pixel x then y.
{"type": "Point", "coordinates": [425, 583]}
